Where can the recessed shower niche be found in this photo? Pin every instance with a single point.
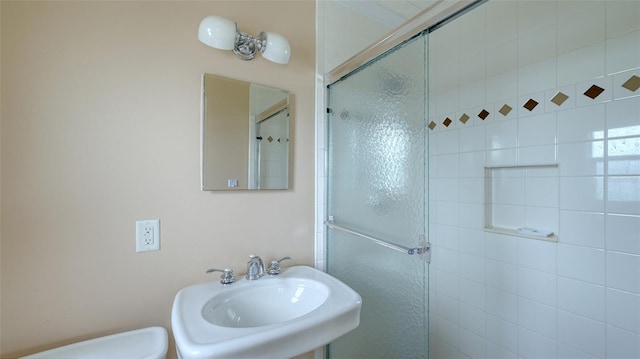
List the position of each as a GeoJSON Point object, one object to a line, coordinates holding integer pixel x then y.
{"type": "Point", "coordinates": [523, 201]}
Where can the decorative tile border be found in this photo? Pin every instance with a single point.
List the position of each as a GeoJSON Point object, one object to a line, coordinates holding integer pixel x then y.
{"type": "Point", "coordinates": [531, 104]}
{"type": "Point", "coordinates": [626, 84]}
{"type": "Point", "coordinates": [484, 114]}
{"type": "Point", "coordinates": [505, 109]}
{"type": "Point", "coordinates": [603, 89]}
{"type": "Point", "coordinates": [464, 118]}
{"type": "Point", "coordinates": [632, 84]}
{"type": "Point", "coordinates": [593, 92]}
{"type": "Point", "coordinates": [562, 98]}
{"type": "Point", "coordinates": [559, 98]}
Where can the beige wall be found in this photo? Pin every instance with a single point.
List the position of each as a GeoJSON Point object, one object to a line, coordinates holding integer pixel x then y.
{"type": "Point", "coordinates": [100, 128]}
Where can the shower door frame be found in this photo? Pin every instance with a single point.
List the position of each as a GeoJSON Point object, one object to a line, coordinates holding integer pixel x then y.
{"type": "Point", "coordinates": [376, 187]}
{"type": "Point", "coordinates": [429, 19]}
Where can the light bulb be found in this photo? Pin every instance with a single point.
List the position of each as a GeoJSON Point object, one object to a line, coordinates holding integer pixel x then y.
{"type": "Point", "coordinates": [218, 32]}
{"type": "Point", "coordinates": [277, 48]}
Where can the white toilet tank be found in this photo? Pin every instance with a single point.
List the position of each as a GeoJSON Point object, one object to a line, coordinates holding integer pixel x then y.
{"type": "Point", "coordinates": [147, 343]}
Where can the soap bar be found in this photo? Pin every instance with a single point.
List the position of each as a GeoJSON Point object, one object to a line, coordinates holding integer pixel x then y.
{"type": "Point", "coordinates": [535, 232]}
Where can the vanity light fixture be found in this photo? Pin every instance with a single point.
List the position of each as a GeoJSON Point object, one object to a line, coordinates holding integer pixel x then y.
{"type": "Point", "coordinates": [223, 34]}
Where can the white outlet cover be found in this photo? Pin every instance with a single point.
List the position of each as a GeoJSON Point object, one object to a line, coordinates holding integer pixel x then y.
{"type": "Point", "coordinates": [151, 227]}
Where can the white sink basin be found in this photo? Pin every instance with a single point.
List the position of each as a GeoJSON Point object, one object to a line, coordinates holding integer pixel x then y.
{"type": "Point", "coordinates": [272, 317]}
{"type": "Point", "coordinates": [268, 302]}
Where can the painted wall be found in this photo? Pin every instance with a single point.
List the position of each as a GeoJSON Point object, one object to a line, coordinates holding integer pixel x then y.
{"type": "Point", "coordinates": [498, 295]}
{"type": "Point", "coordinates": [100, 128]}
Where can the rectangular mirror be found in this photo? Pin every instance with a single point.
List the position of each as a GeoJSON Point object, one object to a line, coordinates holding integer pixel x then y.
{"type": "Point", "coordinates": [245, 135]}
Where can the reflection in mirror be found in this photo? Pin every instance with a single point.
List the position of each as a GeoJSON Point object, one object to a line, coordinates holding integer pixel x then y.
{"type": "Point", "coordinates": [245, 135]}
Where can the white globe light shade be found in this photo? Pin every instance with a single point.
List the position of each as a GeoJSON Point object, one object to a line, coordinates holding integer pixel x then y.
{"type": "Point", "coordinates": [277, 48]}
{"type": "Point", "coordinates": [218, 32]}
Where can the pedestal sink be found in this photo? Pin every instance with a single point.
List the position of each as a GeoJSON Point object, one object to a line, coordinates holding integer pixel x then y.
{"type": "Point", "coordinates": [272, 317]}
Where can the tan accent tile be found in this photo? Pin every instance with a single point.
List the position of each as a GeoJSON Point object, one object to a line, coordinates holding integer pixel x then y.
{"type": "Point", "coordinates": [432, 125]}
{"type": "Point", "coordinates": [632, 84]}
{"type": "Point", "coordinates": [531, 104]}
{"type": "Point", "coordinates": [270, 139]}
{"type": "Point", "coordinates": [483, 114]}
{"type": "Point", "coordinates": [464, 118]}
{"type": "Point", "coordinates": [505, 109]}
{"type": "Point", "coordinates": [447, 121]}
{"type": "Point", "coordinates": [593, 91]}
{"type": "Point", "coordinates": [559, 98]}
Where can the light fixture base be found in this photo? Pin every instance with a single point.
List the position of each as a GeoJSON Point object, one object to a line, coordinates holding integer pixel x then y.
{"type": "Point", "coordinates": [246, 45]}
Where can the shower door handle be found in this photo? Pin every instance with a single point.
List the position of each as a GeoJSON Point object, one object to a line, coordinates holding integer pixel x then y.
{"type": "Point", "coordinates": [423, 250]}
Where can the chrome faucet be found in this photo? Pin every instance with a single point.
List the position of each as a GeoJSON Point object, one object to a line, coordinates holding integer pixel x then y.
{"type": "Point", "coordinates": [255, 268]}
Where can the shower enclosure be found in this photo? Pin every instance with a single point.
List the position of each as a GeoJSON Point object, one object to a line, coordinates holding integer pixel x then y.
{"type": "Point", "coordinates": [376, 198]}
{"type": "Point", "coordinates": [272, 151]}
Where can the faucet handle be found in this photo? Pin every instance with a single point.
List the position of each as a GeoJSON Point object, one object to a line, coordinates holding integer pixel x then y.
{"type": "Point", "coordinates": [274, 269]}
{"type": "Point", "coordinates": [226, 277]}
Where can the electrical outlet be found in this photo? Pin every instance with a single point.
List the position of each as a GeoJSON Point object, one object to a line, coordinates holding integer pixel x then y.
{"type": "Point", "coordinates": [148, 235]}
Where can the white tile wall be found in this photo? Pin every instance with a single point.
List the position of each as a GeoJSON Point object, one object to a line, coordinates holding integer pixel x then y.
{"type": "Point", "coordinates": [622, 344]}
{"type": "Point", "coordinates": [535, 345]}
{"type": "Point", "coordinates": [537, 317]}
{"type": "Point", "coordinates": [537, 286]}
{"type": "Point", "coordinates": [582, 333]}
{"type": "Point", "coordinates": [621, 231]}
{"type": "Point", "coordinates": [580, 297]}
{"type": "Point", "coordinates": [623, 309]}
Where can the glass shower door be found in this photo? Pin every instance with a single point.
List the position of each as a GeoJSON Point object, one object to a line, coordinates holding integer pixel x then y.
{"type": "Point", "coordinates": [377, 185]}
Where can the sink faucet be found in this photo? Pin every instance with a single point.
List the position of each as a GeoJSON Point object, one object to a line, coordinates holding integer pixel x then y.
{"type": "Point", "coordinates": [255, 268]}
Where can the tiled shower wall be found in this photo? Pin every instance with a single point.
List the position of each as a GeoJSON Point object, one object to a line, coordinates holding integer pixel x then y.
{"type": "Point", "coordinates": [515, 85]}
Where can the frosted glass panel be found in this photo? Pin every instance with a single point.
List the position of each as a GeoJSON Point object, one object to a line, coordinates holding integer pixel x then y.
{"type": "Point", "coordinates": [377, 186]}
{"type": "Point", "coordinates": [393, 318]}
{"type": "Point", "coordinates": [377, 146]}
